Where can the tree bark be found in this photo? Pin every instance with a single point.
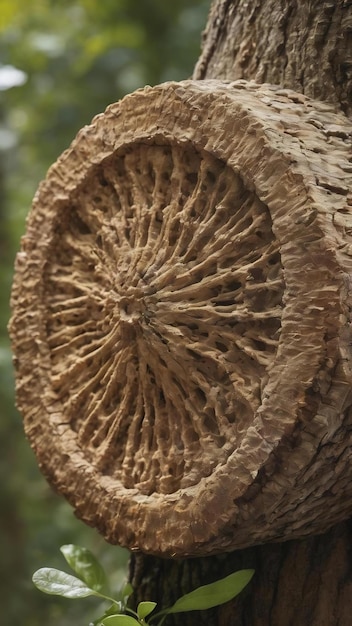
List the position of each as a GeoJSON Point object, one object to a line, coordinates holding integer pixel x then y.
{"type": "Point", "coordinates": [297, 583]}
{"type": "Point", "coordinates": [305, 46]}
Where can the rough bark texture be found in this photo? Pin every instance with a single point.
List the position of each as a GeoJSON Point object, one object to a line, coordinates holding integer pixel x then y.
{"type": "Point", "coordinates": [298, 583]}
{"type": "Point", "coordinates": [305, 46]}
{"type": "Point", "coordinates": [302, 474]}
{"type": "Point", "coordinates": [186, 312]}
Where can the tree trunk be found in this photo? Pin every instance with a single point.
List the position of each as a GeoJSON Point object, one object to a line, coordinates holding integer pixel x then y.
{"type": "Point", "coordinates": [297, 583]}
{"type": "Point", "coordinates": [305, 46]}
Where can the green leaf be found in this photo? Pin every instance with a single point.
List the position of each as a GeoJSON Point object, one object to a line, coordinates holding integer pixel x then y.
{"type": "Point", "coordinates": [126, 592]}
{"type": "Point", "coordinates": [145, 608]}
{"type": "Point", "coordinates": [119, 620]}
{"type": "Point", "coordinates": [55, 582]}
{"type": "Point", "coordinates": [112, 610]}
{"type": "Point", "coordinates": [207, 596]}
{"type": "Point", "coordinates": [86, 566]}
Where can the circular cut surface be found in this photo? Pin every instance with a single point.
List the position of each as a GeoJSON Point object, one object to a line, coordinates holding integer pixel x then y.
{"type": "Point", "coordinates": [181, 316]}
{"type": "Point", "coordinates": [163, 292]}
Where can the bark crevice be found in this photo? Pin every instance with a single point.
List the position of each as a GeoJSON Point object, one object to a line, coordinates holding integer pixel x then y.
{"type": "Point", "coordinates": [304, 46]}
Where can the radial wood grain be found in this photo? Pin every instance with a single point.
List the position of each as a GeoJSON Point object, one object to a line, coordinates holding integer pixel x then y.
{"type": "Point", "coordinates": [181, 319]}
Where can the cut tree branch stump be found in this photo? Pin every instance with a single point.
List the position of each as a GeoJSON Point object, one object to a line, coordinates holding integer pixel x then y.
{"type": "Point", "coordinates": [181, 319]}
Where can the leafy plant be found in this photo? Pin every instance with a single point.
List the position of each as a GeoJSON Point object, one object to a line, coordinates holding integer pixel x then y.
{"type": "Point", "coordinates": [91, 580]}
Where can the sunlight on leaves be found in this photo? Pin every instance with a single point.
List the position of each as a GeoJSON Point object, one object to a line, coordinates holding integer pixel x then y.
{"type": "Point", "coordinates": [58, 583]}
{"type": "Point", "coordinates": [145, 608]}
{"type": "Point", "coordinates": [86, 566]}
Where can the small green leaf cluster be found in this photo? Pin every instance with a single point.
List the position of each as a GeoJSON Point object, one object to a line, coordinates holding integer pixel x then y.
{"type": "Point", "coordinates": [91, 580]}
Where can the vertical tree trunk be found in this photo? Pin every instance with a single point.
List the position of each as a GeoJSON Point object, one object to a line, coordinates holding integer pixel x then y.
{"type": "Point", "coordinates": [298, 583]}
{"type": "Point", "coordinates": [305, 46]}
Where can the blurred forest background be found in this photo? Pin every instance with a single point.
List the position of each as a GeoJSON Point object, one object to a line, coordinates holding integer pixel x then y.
{"type": "Point", "coordinates": [61, 62]}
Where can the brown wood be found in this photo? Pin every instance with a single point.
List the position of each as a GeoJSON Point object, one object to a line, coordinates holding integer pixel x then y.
{"type": "Point", "coordinates": [182, 324]}
{"type": "Point", "coordinates": [305, 46]}
{"type": "Point", "coordinates": [307, 582]}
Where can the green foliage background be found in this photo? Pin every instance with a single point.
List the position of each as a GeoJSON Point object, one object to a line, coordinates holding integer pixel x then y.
{"type": "Point", "coordinates": [75, 57]}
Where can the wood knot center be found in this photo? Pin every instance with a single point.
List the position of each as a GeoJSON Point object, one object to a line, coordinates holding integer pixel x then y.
{"type": "Point", "coordinates": [131, 308]}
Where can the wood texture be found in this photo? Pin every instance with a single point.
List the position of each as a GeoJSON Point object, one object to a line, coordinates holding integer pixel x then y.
{"type": "Point", "coordinates": [295, 583]}
{"type": "Point", "coordinates": [305, 46]}
{"type": "Point", "coordinates": [184, 319]}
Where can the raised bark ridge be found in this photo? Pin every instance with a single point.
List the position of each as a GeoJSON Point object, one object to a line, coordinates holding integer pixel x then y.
{"type": "Point", "coordinates": [181, 318]}
{"type": "Point", "coordinates": [305, 46]}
